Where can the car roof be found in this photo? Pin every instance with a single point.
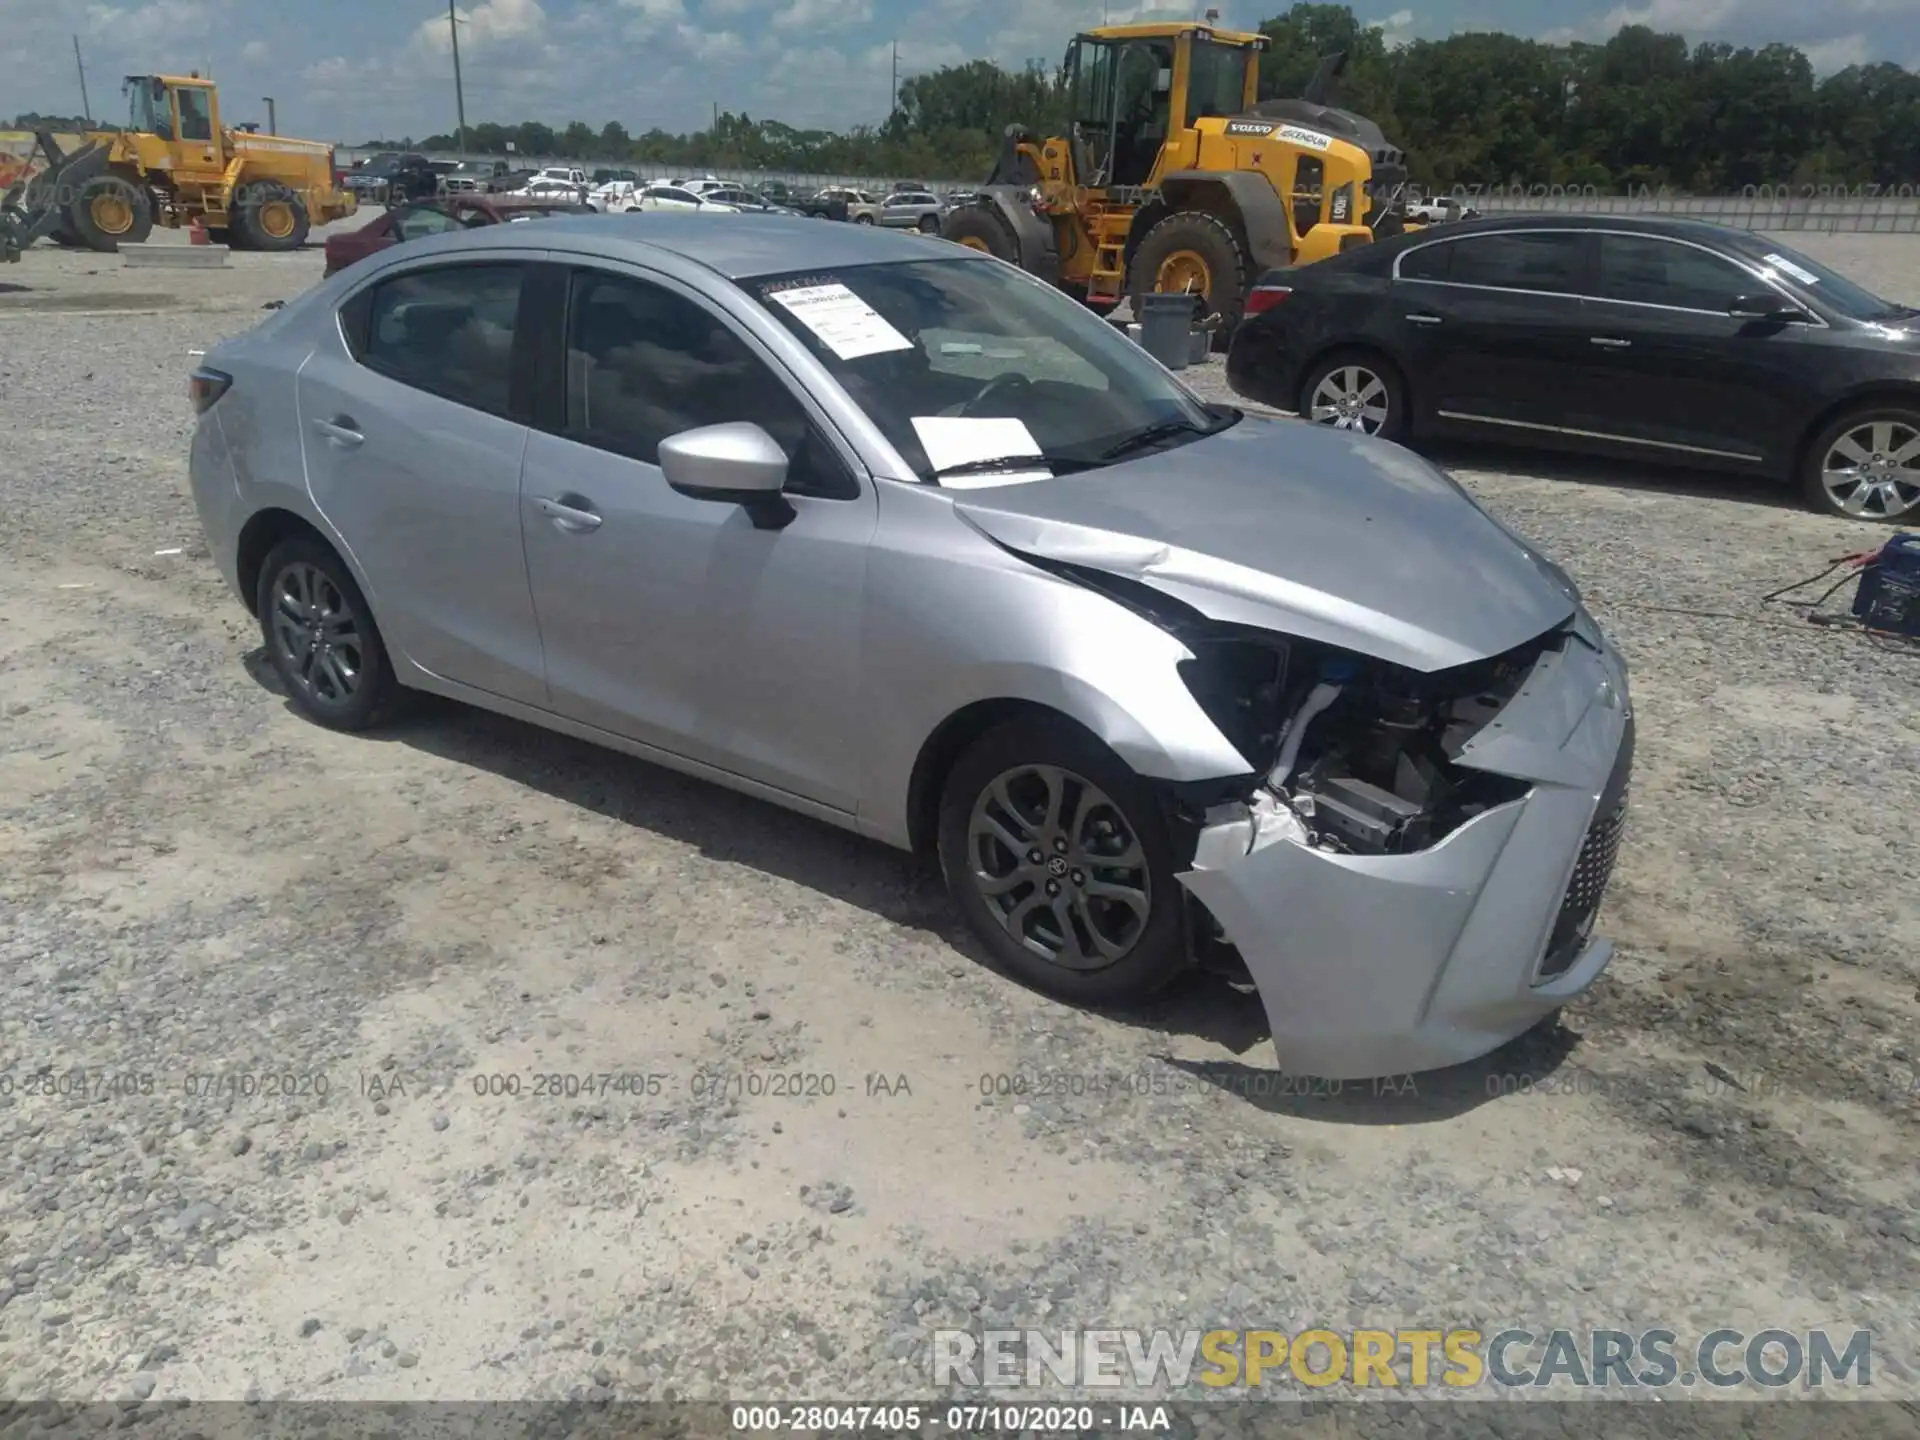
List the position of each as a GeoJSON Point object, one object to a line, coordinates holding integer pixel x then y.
{"type": "Point", "coordinates": [738, 247]}
{"type": "Point", "coordinates": [1679, 227]}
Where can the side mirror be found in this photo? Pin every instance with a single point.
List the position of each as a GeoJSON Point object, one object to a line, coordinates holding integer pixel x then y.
{"type": "Point", "coordinates": [1767, 307]}
{"type": "Point", "coordinates": [737, 463]}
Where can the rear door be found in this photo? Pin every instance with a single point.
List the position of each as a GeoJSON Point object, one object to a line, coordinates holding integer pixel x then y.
{"type": "Point", "coordinates": [1491, 325]}
{"type": "Point", "coordinates": [1670, 369]}
{"type": "Point", "coordinates": [413, 427]}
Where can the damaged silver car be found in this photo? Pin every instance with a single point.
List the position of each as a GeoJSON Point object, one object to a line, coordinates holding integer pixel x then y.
{"type": "Point", "coordinates": [912, 543]}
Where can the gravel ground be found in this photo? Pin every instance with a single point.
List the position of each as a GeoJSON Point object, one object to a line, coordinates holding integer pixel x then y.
{"type": "Point", "coordinates": [203, 893]}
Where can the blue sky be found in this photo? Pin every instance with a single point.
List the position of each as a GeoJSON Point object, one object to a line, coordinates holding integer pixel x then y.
{"type": "Point", "coordinates": [345, 70]}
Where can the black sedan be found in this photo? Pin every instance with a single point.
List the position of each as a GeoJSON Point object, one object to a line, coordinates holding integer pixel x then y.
{"type": "Point", "coordinates": [1661, 339]}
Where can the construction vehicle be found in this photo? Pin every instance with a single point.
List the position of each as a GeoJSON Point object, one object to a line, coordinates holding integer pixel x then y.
{"type": "Point", "coordinates": [1174, 176]}
{"type": "Point", "coordinates": [174, 164]}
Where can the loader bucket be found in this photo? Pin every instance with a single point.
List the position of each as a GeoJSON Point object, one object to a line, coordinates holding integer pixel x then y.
{"type": "Point", "coordinates": [36, 204]}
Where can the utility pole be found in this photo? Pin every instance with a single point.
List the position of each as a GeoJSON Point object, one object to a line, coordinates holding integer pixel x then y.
{"type": "Point", "coordinates": [459, 91]}
{"type": "Point", "coordinates": [893, 95]}
{"type": "Point", "coordinates": [86, 106]}
{"type": "Point", "coordinates": [273, 121]}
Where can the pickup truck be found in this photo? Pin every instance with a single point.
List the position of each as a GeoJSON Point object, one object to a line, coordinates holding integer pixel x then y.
{"type": "Point", "coordinates": [473, 177]}
{"type": "Point", "coordinates": [837, 203]}
{"type": "Point", "coordinates": [559, 182]}
{"type": "Point", "coordinates": [1438, 209]}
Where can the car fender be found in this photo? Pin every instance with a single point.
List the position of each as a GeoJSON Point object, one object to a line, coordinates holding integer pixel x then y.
{"type": "Point", "coordinates": [1004, 630]}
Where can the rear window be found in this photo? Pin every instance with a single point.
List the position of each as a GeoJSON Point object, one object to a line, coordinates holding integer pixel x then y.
{"type": "Point", "coordinates": [1541, 260]}
{"type": "Point", "coordinates": [448, 331]}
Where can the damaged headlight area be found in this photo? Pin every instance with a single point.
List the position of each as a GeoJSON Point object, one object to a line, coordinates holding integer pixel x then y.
{"type": "Point", "coordinates": [1346, 753]}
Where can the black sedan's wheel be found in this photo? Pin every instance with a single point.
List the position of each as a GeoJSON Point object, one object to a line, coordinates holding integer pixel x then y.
{"type": "Point", "coordinates": [321, 637]}
{"type": "Point", "coordinates": [1866, 466]}
{"type": "Point", "coordinates": [1356, 392]}
{"type": "Point", "coordinates": [1058, 856]}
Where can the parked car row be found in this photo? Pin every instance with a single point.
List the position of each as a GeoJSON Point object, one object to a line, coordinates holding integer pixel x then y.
{"type": "Point", "coordinates": [1645, 338]}
{"type": "Point", "coordinates": [1159, 683]}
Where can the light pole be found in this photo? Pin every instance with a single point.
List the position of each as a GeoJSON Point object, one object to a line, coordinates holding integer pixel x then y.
{"type": "Point", "coordinates": [459, 91]}
{"type": "Point", "coordinates": [273, 123]}
{"type": "Point", "coordinates": [86, 106]}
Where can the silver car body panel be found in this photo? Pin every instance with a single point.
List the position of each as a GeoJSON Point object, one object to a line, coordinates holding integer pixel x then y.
{"type": "Point", "coordinates": [868, 624]}
{"type": "Point", "coordinates": [1389, 964]}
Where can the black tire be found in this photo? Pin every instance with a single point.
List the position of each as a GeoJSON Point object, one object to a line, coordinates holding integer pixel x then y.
{"type": "Point", "coordinates": [1153, 952]}
{"type": "Point", "coordinates": [928, 225]}
{"type": "Point", "coordinates": [863, 219]}
{"type": "Point", "coordinates": [84, 215]}
{"type": "Point", "coordinates": [268, 216]}
{"type": "Point", "coordinates": [1376, 366]}
{"type": "Point", "coordinates": [218, 235]}
{"type": "Point", "coordinates": [1229, 271]}
{"type": "Point", "coordinates": [306, 575]}
{"type": "Point", "coordinates": [1896, 495]}
{"type": "Point", "coordinates": [980, 228]}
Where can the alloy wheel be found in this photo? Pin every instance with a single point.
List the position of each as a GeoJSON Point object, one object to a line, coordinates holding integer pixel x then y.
{"type": "Point", "coordinates": [317, 635]}
{"type": "Point", "coordinates": [1873, 470]}
{"type": "Point", "coordinates": [1059, 866]}
{"type": "Point", "coordinates": [1351, 397]}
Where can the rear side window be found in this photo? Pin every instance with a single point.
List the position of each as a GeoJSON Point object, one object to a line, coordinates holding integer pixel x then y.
{"type": "Point", "coordinates": [1519, 260]}
{"type": "Point", "coordinates": [1428, 262]}
{"type": "Point", "coordinates": [448, 331]}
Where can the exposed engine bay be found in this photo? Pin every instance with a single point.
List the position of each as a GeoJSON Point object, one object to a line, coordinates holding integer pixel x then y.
{"type": "Point", "coordinates": [1353, 755]}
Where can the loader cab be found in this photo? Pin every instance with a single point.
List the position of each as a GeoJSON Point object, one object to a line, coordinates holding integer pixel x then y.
{"type": "Point", "coordinates": [183, 113]}
{"type": "Point", "coordinates": [1135, 91]}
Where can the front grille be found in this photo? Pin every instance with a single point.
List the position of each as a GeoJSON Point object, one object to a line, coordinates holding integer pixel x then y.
{"type": "Point", "coordinates": [1593, 869]}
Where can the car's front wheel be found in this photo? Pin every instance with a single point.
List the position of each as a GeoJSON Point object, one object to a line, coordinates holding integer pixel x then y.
{"type": "Point", "coordinates": [320, 636]}
{"type": "Point", "coordinates": [1866, 465]}
{"type": "Point", "coordinates": [1059, 858]}
{"type": "Point", "coordinates": [1356, 391]}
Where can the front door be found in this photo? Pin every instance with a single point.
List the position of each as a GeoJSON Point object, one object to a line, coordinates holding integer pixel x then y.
{"type": "Point", "coordinates": [413, 436]}
{"type": "Point", "coordinates": [1492, 322]}
{"type": "Point", "coordinates": [1670, 369]}
{"type": "Point", "coordinates": [671, 620]}
{"type": "Point", "coordinates": [200, 149]}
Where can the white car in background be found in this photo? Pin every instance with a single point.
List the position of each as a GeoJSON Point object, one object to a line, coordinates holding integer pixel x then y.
{"type": "Point", "coordinates": [558, 182]}
{"type": "Point", "coordinates": [671, 197]}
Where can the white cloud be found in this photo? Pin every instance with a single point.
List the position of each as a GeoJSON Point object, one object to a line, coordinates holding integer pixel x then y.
{"type": "Point", "coordinates": [1829, 56]}
{"type": "Point", "coordinates": [256, 52]}
{"type": "Point", "coordinates": [816, 16]}
{"type": "Point", "coordinates": [483, 24]}
{"type": "Point", "coordinates": [1396, 30]}
{"type": "Point", "coordinates": [711, 46]}
{"type": "Point", "coordinates": [153, 23]}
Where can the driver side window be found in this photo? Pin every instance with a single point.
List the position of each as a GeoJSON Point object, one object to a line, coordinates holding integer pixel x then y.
{"type": "Point", "coordinates": [643, 363]}
{"type": "Point", "coordinates": [196, 113]}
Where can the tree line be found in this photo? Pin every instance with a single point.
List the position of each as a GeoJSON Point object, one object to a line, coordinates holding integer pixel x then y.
{"type": "Point", "coordinates": [1477, 110]}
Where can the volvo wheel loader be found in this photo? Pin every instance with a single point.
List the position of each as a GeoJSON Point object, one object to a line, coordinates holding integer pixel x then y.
{"type": "Point", "coordinates": [1173, 176]}
{"type": "Point", "coordinates": [174, 163]}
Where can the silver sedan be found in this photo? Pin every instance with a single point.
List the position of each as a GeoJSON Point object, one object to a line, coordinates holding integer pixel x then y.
{"type": "Point", "coordinates": [913, 543]}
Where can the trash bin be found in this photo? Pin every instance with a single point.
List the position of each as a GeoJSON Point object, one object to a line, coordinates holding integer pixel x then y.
{"type": "Point", "coordinates": [1166, 327]}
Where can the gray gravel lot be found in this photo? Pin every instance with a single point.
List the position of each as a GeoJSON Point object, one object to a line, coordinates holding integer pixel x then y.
{"type": "Point", "coordinates": [202, 894]}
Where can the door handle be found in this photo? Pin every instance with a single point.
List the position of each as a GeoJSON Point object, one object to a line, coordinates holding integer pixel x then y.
{"type": "Point", "coordinates": [1424, 319]}
{"type": "Point", "coordinates": [341, 430]}
{"type": "Point", "coordinates": [1611, 342]}
{"type": "Point", "coordinates": [570, 518]}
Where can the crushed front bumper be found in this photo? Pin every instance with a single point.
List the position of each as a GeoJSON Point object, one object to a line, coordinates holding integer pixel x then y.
{"type": "Point", "coordinates": [1374, 965]}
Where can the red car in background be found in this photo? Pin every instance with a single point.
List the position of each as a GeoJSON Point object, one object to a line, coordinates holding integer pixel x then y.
{"type": "Point", "coordinates": [420, 218]}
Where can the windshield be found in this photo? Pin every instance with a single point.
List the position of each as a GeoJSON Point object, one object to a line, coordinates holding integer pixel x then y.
{"type": "Point", "coordinates": [962, 363]}
{"type": "Point", "coordinates": [1828, 286]}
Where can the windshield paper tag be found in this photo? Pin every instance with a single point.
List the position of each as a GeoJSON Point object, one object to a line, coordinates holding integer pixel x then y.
{"type": "Point", "coordinates": [1787, 266]}
{"type": "Point", "coordinates": [845, 323]}
{"type": "Point", "coordinates": [957, 439]}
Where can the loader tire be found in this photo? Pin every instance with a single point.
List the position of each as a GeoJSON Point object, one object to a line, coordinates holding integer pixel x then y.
{"type": "Point", "coordinates": [269, 216]}
{"type": "Point", "coordinates": [1198, 251]}
{"type": "Point", "coordinates": [979, 228]}
{"type": "Point", "coordinates": [108, 211]}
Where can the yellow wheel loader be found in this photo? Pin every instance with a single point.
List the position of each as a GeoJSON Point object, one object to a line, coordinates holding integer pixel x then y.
{"type": "Point", "coordinates": [174, 163]}
{"type": "Point", "coordinates": [1172, 175]}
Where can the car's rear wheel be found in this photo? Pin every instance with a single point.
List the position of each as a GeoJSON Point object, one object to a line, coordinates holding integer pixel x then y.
{"type": "Point", "coordinates": [320, 636]}
{"type": "Point", "coordinates": [1866, 465]}
{"type": "Point", "coordinates": [863, 219]}
{"type": "Point", "coordinates": [929, 225]}
{"type": "Point", "coordinates": [1060, 860]}
{"type": "Point", "coordinates": [1356, 391]}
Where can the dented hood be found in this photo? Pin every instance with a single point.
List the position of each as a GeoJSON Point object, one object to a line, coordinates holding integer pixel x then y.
{"type": "Point", "coordinates": [1298, 528]}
